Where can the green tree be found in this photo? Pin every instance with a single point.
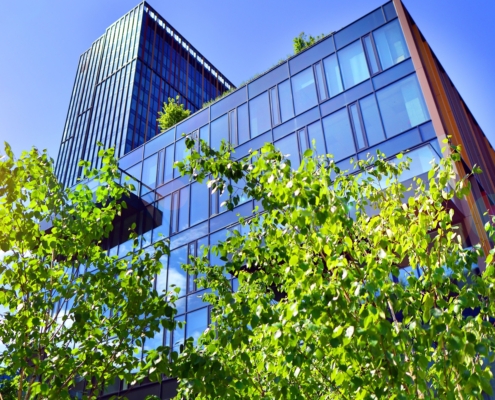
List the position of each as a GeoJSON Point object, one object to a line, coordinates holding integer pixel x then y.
{"type": "Point", "coordinates": [173, 112]}
{"type": "Point", "coordinates": [302, 41]}
{"type": "Point", "coordinates": [69, 313]}
{"type": "Point", "coordinates": [317, 313]}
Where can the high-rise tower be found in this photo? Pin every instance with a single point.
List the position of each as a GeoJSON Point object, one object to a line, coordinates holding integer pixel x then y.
{"type": "Point", "coordinates": [122, 82]}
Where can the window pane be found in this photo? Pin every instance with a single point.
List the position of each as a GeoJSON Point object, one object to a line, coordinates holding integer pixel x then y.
{"type": "Point", "coordinates": [371, 119]}
{"type": "Point", "coordinates": [233, 128]}
{"type": "Point", "coordinates": [274, 106]}
{"type": "Point", "coordinates": [239, 191]}
{"type": "Point", "coordinates": [155, 341]}
{"type": "Point", "coordinates": [332, 72]}
{"type": "Point", "coordinates": [390, 44]}
{"type": "Point", "coordinates": [168, 169]}
{"type": "Point", "coordinates": [304, 89]}
{"type": "Point", "coordinates": [130, 174]}
{"type": "Point", "coordinates": [288, 146]}
{"type": "Point", "coordinates": [149, 171]}
{"type": "Point", "coordinates": [162, 219]}
{"type": "Point", "coordinates": [259, 113]}
{"type": "Point", "coordinates": [181, 152]}
{"type": "Point", "coordinates": [184, 209]}
{"type": "Point", "coordinates": [214, 203]}
{"type": "Point", "coordinates": [176, 275]}
{"type": "Point", "coordinates": [219, 131]}
{"type": "Point", "coordinates": [315, 133]}
{"type": "Point", "coordinates": [421, 162]}
{"type": "Point", "coordinates": [285, 97]}
{"type": "Point", "coordinates": [175, 211]}
{"type": "Point", "coordinates": [404, 274]}
{"type": "Point", "coordinates": [303, 141]}
{"type": "Point", "coordinates": [242, 123]}
{"type": "Point", "coordinates": [161, 277]}
{"type": "Point", "coordinates": [371, 55]}
{"type": "Point", "coordinates": [357, 126]}
{"type": "Point", "coordinates": [178, 337]}
{"type": "Point", "coordinates": [338, 135]}
{"type": "Point", "coordinates": [197, 322]}
{"type": "Point", "coordinates": [222, 198]}
{"type": "Point", "coordinates": [402, 106]}
{"type": "Point", "coordinates": [199, 202]}
{"type": "Point", "coordinates": [353, 64]}
{"type": "Point", "coordinates": [204, 133]}
{"type": "Point", "coordinates": [322, 92]}
{"type": "Point", "coordinates": [215, 238]}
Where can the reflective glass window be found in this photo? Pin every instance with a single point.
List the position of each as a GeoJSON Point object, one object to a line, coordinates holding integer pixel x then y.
{"type": "Point", "coordinates": [155, 341]}
{"type": "Point", "coordinates": [239, 191]}
{"type": "Point", "coordinates": [181, 152]}
{"type": "Point", "coordinates": [162, 218]}
{"type": "Point", "coordinates": [421, 162]}
{"type": "Point", "coordinates": [204, 134]}
{"type": "Point", "coordinates": [168, 168]}
{"type": "Point", "coordinates": [390, 44]}
{"type": "Point", "coordinates": [322, 91]}
{"type": "Point", "coordinates": [285, 98]}
{"type": "Point", "coordinates": [371, 120]}
{"type": "Point", "coordinates": [199, 202]}
{"type": "Point", "coordinates": [353, 64]}
{"type": "Point", "coordinates": [303, 140]}
{"type": "Point", "coordinates": [175, 214]}
{"type": "Point", "coordinates": [332, 73]}
{"type": "Point", "coordinates": [404, 274]}
{"type": "Point", "coordinates": [178, 336]}
{"type": "Point", "coordinates": [191, 286]}
{"type": "Point", "coordinates": [288, 146]}
{"type": "Point", "coordinates": [242, 123]}
{"type": "Point", "coordinates": [274, 106]}
{"type": "Point", "coordinates": [215, 238]}
{"type": "Point", "coordinates": [315, 134]}
{"type": "Point", "coordinates": [184, 208]}
{"type": "Point", "coordinates": [304, 90]}
{"type": "Point", "coordinates": [214, 203]}
{"type": "Point", "coordinates": [233, 128]}
{"type": "Point", "coordinates": [197, 322]}
{"type": "Point", "coordinates": [259, 115]}
{"type": "Point", "coordinates": [338, 135]}
{"type": "Point", "coordinates": [219, 131]}
{"type": "Point", "coordinates": [196, 300]}
{"type": "Point", "coordinates": [358, 129]}
{"type": "Point", "coordinates": [402, 106]}
{"type": "Point", "coordinates": [176, 275]}
{"type": "Point", "coordinates": [149, 171]}
{"type": "Point", "coordinates": [222, 198]}
{"type": "Point", "coordinates": [370, 51]}
{"type": "Point", "coordinates": [131, 176]}
{"type": "Point", "coordinates": [161, 277]}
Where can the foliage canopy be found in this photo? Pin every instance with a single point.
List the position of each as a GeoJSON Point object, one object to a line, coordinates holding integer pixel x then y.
{"type": "Point", "coordinates": [70, 313]}
{"type": "Point", "coordinates": [302, 41]}
{"type": "Point", "coordinates": [319, 312]}
{"type": "Point", "coordinates": [173, 112]}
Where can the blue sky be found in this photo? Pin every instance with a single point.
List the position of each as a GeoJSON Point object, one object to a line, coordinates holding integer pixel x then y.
{"type": "Point", "coordinates": [41, 42]}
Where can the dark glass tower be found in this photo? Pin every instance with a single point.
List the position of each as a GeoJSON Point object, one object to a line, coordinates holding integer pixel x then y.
{"type": "Point", "coordinates": [122, 82]}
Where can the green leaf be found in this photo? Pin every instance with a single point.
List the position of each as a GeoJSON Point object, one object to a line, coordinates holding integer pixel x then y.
{"type": "Point", "coordinates": [337, 331]}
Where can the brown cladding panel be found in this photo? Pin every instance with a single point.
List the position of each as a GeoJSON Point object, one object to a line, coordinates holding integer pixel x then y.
{"type": "Point", "coordinates": [450, 117]}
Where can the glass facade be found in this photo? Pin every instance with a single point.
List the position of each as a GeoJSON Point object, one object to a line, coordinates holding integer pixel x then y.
{"type": "Point", "coordinates": [121, 84]}
{"type": "Point", "coordinates": [289, 113]}
{"type": "Point", "coordinates": [349, 95]}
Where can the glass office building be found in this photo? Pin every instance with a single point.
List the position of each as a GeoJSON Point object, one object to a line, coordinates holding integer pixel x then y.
{"type": "Point", "coordinates": [374, 84]}
{"type": "Point", "coordinates": [122, 82]}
